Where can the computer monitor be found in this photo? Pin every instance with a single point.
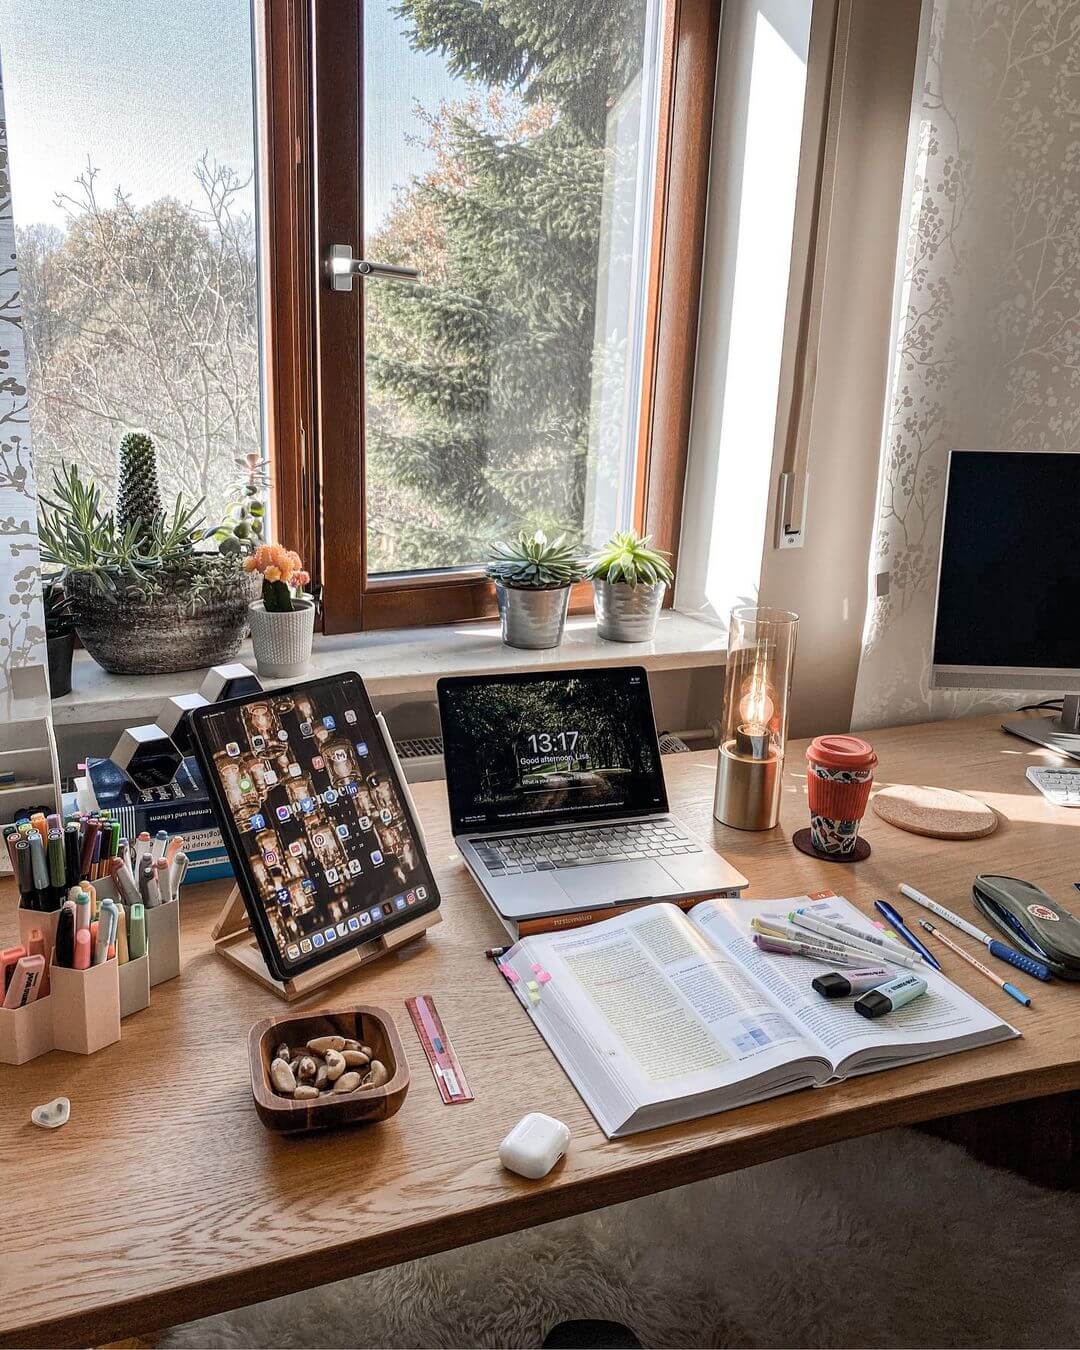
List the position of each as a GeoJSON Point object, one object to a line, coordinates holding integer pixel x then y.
{"type": "Point", "coordinates": [1008, 594]}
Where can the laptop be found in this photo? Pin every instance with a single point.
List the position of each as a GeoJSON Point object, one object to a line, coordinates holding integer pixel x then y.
{"type": "Point", "coordinates": [557, 796]}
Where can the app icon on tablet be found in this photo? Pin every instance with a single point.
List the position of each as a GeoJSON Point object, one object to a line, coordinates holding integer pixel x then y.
{"type": "Point", "coordinates": [307, 885]}
{"type": "Point", "coordinates": [329, 723]}
{"type": "Point", "coordinates": [354, 867]}
{"type": "Point", "coordinates": [386, 816]}
{"type": "Point", "coordinates": [317, 762]}
{"type": "Point", "coordinates": [258, 742]}
{"type": "Point", "coordinates": [350, 716]}
{"type": "Point", "coordinates": [258, 821]}
{"type": "Point", "coordinates": [306, 729]}
{"type": "Point", "coordinates": [365, 919]}
{"type": "Point", "coordinates": [331, 875]}
{"type": "Point", "coordinates": [317, 940]}
{"type": "Point", "coordinates": [343, 831]}
{"type": "Point", "coordinates": [365, 822]}
{"type": "Point", "coordinates": [376, 858]}
{"type": "Point", "coordinates": [342, 928]}
{"type": "Point", "coordinates": [305, 945]}
{"type": "Point", "coordinates": [270, 857]}
{"type": "Point", "coordinates": [232, 749]}
{"type": "Point", "coordinates": [421, 892]}
{"type": "Point", "coordinates": [296, 848]}
{"type": "Point", "coordinates": [293, 951]}
{"type": "Point", "coordinates": [361, 748]}
{"type": "Point", "coordinates": [269, 777]}
{"type": "Point", "coordinates": [283, 735]}
{"type": "Point", "coordinates": [283, 813]}
{"type": "Point", "coordinates": [354, 924]}
{"type": "Point", "coordinates": [295, 771]}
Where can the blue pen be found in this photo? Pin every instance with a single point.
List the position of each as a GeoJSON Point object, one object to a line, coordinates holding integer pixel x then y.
{"type": "Point", "coordinates": [892, 918]}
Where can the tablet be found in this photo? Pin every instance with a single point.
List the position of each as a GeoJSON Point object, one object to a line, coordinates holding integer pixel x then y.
{"type": "Point", "coordinates": [319, 829]}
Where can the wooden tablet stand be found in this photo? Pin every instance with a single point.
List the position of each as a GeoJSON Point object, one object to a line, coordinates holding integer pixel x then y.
{"type": "Point", "coordinates": [233, 939]}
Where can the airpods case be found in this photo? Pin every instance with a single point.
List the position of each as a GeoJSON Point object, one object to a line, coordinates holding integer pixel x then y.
{"type": "Point", "coordinates": [534, 1145]}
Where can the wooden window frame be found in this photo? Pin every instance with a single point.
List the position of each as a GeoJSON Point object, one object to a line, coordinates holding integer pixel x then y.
{"type": "Point", "coordinates": [315, 433]}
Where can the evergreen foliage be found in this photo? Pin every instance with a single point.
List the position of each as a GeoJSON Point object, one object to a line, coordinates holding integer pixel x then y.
{"type": "Point", "coordinates": [480, 376]}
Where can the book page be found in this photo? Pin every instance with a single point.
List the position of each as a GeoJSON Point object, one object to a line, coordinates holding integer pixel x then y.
{"type": "Point", "coordinates": [679, 1016]}
{"type": "Point", "coordinates": [944, 1013]}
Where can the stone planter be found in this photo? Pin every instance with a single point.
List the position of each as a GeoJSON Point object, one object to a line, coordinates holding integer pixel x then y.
{"type": "Point", "coordinates": [626, 613]}
{"type": "Point", "coordinates": [532, 616]}
{"type": "Point", "coordinates": [171, 630]}
{"type": "Point", "coordinates": [282, 639]}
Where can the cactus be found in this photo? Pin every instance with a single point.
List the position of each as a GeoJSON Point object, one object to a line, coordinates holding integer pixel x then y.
{"type": "Point", "coordinates": [138, 497]}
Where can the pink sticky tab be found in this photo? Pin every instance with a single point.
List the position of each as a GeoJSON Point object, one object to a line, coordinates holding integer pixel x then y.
{"type": "Point", "coordinates": [510, 973]}
{"type": "Point", "coordinates": [536, 969]}
{"type": "Point", "coordinates": [543, 976]}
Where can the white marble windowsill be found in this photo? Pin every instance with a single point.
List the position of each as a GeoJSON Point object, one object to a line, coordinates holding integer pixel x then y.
{"type": "Point", "coordinates": [403, 661]}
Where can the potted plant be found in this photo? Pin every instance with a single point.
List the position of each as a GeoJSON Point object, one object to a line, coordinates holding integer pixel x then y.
{"type": "Point", "coordinates": [147, 591]}
{"type": "Point", "coordinates": [532, 577]}
{"type": "Point", "coordinates": [629, 578]}
{"type": "Point", "coordinates": [59, 636]}
{"type": "Point", "coordinates": [283, 621]}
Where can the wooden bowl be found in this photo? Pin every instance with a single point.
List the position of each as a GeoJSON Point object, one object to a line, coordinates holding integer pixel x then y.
{"type": "Point", "coordinates": [371, 1026]}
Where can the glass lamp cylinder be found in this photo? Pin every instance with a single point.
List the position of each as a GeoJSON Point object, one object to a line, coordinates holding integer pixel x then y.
{"type": "Point", "coordinates": [757, 685]}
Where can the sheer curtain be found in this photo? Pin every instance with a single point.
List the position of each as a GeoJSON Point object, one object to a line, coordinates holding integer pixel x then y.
{"type": "Point", "coordinates": [988, 316]}
{"type": "Point", "coordinates": [22, 623]}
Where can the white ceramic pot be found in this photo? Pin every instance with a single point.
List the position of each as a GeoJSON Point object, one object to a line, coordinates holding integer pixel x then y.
{"type": "Point", "coordinates": [282, 640]}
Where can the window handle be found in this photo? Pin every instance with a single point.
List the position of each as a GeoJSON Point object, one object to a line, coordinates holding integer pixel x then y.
{"type": "Point", "coordinates": [341, 267]}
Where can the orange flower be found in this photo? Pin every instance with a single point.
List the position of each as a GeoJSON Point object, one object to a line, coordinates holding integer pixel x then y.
{"type": "Point", "coordinates": [301, 578]}
{"type": "Point", "coordinates": [250, 564]}
{"type": "Point", "coordinates": [273, 573]}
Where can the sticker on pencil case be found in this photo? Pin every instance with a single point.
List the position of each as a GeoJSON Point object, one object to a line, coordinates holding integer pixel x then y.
{"type": "Point", "coordinates": [1042, 912]}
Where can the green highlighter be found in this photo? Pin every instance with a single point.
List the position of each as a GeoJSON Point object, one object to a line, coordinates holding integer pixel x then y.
{"type": "Point", "coordinates": [136, 931]}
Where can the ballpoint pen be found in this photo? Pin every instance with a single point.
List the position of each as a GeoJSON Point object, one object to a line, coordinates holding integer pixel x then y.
{"type": "Point", "coordinates": [996, 948]}
{"type": "Point", "coordinates": [896, 922]}
{"type": "Point", "coordinates": [1010, 989]}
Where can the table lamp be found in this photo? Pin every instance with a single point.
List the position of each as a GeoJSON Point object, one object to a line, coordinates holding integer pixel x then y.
{"type": "Point", "coordinates": [757, 685]}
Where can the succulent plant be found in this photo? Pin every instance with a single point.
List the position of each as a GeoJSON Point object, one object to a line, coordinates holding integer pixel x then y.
{"type": "Point", "coordinates": [631, 559]}
{"type": "Point", "coordinates": [533, 561]}
{"type": "Point", "coordinates": [138, 496]}
{"type": "Point", "coordinates": [244, 526]}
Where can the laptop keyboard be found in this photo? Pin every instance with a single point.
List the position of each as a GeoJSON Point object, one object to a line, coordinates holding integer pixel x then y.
{"type": "Point", "coordinates": [511, 854]}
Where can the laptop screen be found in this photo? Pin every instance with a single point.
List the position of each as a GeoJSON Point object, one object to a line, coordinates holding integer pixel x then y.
{"type": "Point", "coordinates": [546, 749]}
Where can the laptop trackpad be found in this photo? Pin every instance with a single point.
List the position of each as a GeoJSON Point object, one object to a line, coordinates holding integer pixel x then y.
{"type": "Point", "coordinates": [606, 883]}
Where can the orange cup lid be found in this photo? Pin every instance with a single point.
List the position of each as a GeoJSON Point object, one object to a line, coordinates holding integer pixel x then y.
{"type": "Point", "coordinates": [841, 752]}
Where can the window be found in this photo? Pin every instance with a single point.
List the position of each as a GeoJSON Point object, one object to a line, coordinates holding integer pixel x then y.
{"type": "Point", "coordinates": [132, 148]}
{"type": "Point", "coordinates": [513, 166]}
{"type": "Point", "coordinates": [543, 167]}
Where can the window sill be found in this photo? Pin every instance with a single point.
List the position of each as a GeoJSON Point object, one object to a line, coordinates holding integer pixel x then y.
{"type": "Point", "coordinates": [403, 661]}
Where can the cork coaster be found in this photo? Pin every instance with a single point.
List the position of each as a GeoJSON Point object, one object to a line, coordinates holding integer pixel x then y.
{"type": "Point", "coordinates": [937, 812]}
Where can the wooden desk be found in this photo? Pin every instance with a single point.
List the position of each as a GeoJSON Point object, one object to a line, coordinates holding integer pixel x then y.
{"type": "Point", "coordinates": [164, 1199]}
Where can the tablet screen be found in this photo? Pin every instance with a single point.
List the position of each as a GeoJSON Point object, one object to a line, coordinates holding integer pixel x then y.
{"type": "Point", "coordinates": [329, 850]}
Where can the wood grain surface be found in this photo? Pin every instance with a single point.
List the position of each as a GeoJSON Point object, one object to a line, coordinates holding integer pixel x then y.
{"type": "Point", "coordinates": [164, 1198]}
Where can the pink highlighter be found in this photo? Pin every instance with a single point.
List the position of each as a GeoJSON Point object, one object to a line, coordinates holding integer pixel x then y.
{"type": "Point", "coordinates": [82, 949]}
{"type": "Point", "coordinates": [25, 982]}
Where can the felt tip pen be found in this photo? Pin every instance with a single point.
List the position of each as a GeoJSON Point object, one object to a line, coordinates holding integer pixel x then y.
{"type": "Point", "coordinates": [1010, 989]}
{"type": "Point", "coordinates": [82, 950]}
{"type": "Point", "coordinates": [64, 943]}
{"type": "Point", "coordinates": [161, 842]}
{"type": "Point", "coordinates": [106, 932]}
{"type": "Point", "coordinates": [136, 932]}
{"type": "Point", "coordinates": [773, 927]}
{"type": "Point", "coordinates": [895, 921]}
{"type": "Point", "coordinates": [999, 949]}
{"type": "Point", "coordinates": [828, 955]}
{"type": "Point", "coordinates": [849, 936]}
{"type": "Point", "coordinates": [886, 998]}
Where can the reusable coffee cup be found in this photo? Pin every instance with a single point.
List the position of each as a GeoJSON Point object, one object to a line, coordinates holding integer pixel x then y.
{"type": "Point", "coordinates": [840, 775]}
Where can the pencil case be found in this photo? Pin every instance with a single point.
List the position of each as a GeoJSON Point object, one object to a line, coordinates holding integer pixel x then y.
{"type": "Point", "coordinates": [26, 1032]}
{"type": "Point", "coordinates": [1027, 916]}
{"type": "Point", "coordinates": [86, 1007]}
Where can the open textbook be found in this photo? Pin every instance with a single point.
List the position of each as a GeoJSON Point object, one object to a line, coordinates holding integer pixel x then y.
{"type": "Point", "coordinates": [659, 1016]}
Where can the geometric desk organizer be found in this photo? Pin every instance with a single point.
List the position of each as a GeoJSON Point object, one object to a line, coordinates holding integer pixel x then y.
{"type": "Point", "coordinates": [83, 1009]}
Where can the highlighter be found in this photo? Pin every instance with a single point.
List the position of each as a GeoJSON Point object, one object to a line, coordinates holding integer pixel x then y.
{"type": "Point", "coordinates": [82, 912]}
{"type": "Point", "coordinates": [8, 961]}
{"type": "Point", "coordinates": [25, 983]}
{"type": "Point", "coordinates": [121, 936]}
{"type": "Point", "coordinates": [82, 950]}
{"type": "Point", "coordinates": [842, 984]}
{"type": "Point", "coordinates": [36, 947]}
{"type": "Point", "coordinates": [136, 932]}
{"type": "Point", "coordinates": [64, 948]}
{"type": "Point", "coordinates": [886, 998]}
{"type": "Point", "coordinates": [106, 932]}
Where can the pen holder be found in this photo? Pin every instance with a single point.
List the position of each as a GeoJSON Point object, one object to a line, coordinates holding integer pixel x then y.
{"type": "Point", "coordinates": [162, 935]}
{"type": "Point", "coordinates": [163, 941]}
{"type": "Point", "coordinates": [134, 977]}
{"type": "Point", "coordinates": [26, 1032]}
{"type": "Point", "coordinates": [86, 1007]}
{"type": "Point", "coordinates": [29, 919]}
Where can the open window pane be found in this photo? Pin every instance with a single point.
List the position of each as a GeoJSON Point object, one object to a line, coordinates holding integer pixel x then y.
{"type": "Point", "coordinates": [508, 154]}
{"type": "Point", "coordinates": [132, 149]}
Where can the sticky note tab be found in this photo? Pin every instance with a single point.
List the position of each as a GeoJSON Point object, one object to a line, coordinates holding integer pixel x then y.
{"type": "Point", "coordinates": [543, 976]}
{"type": "Point", "coordinates": [510, 973]}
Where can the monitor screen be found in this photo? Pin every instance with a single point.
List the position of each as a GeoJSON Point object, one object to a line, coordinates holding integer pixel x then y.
{"type": "Point", "coordinates": [542, 748]}
{"type": "Point", "coordinates": [1010, 561]}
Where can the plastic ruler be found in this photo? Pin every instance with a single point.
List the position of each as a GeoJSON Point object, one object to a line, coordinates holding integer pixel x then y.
{"type": "Point", "coordinates": [441, 1056]}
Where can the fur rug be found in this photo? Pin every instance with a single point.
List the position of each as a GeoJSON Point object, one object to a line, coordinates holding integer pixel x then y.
{"type": "Point", "coordinates": [897, 1239]}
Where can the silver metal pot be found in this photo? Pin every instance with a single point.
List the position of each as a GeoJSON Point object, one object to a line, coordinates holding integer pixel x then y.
{"type": "Point", "coordinates": [626, 613]}
{"type": "Point", "coordinates": [532, 616]}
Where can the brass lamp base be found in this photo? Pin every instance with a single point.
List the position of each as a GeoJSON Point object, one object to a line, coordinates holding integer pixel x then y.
{"type": "Point", "coordinates": [747, 789]}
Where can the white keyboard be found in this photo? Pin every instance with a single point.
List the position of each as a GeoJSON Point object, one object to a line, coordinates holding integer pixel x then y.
{"type": "Point", "coordinates": [1061, 787]}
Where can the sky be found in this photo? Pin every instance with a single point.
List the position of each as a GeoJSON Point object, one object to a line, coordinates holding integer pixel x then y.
{"type": "Point", "coordinates": [143, 88]}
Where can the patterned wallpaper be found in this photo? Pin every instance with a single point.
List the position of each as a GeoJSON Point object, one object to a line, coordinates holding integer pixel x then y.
{"type": "Point", "coordinates": [988, 353]}
{"type": "Point", "coordinates": [22, 623]}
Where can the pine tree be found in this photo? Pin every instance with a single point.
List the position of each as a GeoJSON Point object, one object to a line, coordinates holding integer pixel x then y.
{"type": "Point", "coordinates": [138, 497]}
{"type": "Point", "coordinates": [480, 376]}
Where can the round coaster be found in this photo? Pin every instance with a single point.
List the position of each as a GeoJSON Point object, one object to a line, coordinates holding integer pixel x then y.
{"type": "Point", "coordinates": [802, 841]}
{"type": "Point", "coordinates": [939, 813]}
